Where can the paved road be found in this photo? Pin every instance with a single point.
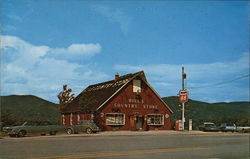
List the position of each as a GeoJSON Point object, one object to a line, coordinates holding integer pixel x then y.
{"type": "Point", "coordinates": [128, 147]}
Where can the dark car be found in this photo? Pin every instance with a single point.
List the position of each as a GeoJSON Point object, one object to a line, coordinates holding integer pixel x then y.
{"type": "Point", "coordinates": [208, 126]}
{"type": "Point", "coordinates": [87, 126]}
{"type": "Point", "coordinates": [32, 127]}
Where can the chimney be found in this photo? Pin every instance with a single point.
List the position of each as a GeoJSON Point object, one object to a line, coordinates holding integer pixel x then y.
{"type": "Point", "coordinates": [116, 76]}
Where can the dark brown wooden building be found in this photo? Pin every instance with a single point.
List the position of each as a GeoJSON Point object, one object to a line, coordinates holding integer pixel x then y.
{"type": "Point", "coordinates": [126, 103]}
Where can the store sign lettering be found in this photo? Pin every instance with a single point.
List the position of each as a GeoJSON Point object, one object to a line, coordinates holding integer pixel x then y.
{"type": "Point", "coordinates": [135, 103]}
{"type": "Point", "coordinates": [119, 105]}
{"type": "Point", "coordinates": [135, 100]}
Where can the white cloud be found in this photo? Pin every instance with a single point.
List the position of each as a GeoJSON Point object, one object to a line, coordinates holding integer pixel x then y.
{"type": "Point", "coordinates": [14, 45]}
{"type": "Point", "coordinates": [166, 78]}
{"type": "Point", "coordinates": [115, 15]}
{"type": "Point", "coordinates": [88, 49]}
{"type": "Point", "coordinates": [41, 70]}
{"type": "Point", "coordinates": [75, 52]}
{"type": "Point", "coordinates": [194, 71]}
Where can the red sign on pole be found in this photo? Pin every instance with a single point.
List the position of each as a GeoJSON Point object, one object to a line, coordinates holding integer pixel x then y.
{"type": "Point", "coordinates": [183, 94]}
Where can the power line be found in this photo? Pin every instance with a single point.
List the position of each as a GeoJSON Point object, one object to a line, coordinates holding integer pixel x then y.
{"type": "Point", "coordinates": [221, 83]}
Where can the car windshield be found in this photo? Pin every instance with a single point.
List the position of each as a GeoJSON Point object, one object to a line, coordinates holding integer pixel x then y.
{"type": "Point", "coordinates": [86, 122]}
{"type": "Point", "coordinates": [210, 125]}
{"type": "Point", "coordinates": [227, 124]}
{"type": "Point", "coordinates": [29, 123]}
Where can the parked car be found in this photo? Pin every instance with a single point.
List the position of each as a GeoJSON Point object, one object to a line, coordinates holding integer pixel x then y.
{"type": "Point", "coordinates": [208, 126]}
{"type": "Point", "coordinates": [87, 126]}
{"type": "Point", "coordinates": [243, 129]}
{"type": "Point", "coordinates": [30, 127]}
{"type": "Point", "coordinates": [224, 127]}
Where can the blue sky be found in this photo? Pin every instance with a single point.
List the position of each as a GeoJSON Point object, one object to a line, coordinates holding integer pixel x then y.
{"type": "Point", "coordinates": [45, 44]}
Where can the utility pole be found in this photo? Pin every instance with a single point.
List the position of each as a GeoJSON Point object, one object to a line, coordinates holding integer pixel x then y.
{"type": "Point", "coordinates": [183, 95]}
{"type": "Point", "coordinates": [183, 77]}
{"type": "Point", "coordinates": [183, 103]}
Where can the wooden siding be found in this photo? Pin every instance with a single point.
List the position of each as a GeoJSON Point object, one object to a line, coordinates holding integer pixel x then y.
{"type": "Point", "coordinates": [135, 106]}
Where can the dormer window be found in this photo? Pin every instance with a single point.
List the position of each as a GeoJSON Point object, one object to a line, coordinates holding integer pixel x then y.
{"type": "Point", "coordinates": [137, 86]}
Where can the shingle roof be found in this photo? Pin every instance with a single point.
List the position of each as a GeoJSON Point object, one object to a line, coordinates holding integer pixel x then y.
{"type": "Point", "coordinates": [94, 96]}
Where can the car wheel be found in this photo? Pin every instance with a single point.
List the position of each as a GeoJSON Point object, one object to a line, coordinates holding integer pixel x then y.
{"type": "Point", "coordinates": [70, 131]}
{"type": "Point", "coordinates": [21, 133]}
{"type": "Point", "coordinates": [12, 135]}
{"type": "Point", "coordinates": [52, 132]}
{"type": "Point", "coordinates": [89, 131]}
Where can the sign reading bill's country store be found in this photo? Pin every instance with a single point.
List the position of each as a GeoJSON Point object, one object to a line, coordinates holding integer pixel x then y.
{"type": "Point", "coordinates": [126, 103]}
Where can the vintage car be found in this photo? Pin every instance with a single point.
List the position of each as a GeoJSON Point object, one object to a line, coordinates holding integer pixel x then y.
{"type": "Point", "coordinates": [32, 127]}
{"type": "Point", "coordinates": [208, 126]}
{"type": "Point", "coordinates": [243, 129]}
{"type": "Point", "coordinates": [227, 127]}
{"type": "Point", "coordinates": [87, 126]}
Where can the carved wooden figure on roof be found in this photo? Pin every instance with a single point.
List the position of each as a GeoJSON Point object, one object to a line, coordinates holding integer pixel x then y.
{"type": "Point", "coordinates": [65, 96]}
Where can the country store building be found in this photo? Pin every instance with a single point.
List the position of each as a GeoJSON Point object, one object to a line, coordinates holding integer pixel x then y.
{"type": "Point", "coordinates": [126, 103]}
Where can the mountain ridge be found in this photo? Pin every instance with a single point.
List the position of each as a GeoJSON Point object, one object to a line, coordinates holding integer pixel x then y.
{"type": "Point", "coordinates": [19, 108]}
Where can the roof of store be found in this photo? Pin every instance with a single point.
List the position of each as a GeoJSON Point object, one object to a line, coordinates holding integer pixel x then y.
{"type": "Point", "coordinates": [95, 96]}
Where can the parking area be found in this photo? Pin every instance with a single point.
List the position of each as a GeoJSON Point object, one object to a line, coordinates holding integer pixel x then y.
{"type": "Point", "coordinates": [127, 133]}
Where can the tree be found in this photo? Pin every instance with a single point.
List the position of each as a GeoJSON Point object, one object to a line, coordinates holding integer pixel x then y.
{"type": "Point", "coordinates": [65, 96]}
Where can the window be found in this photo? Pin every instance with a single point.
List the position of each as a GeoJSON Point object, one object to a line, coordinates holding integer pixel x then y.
{"type": "Point", "coordinates": [115, 119]}
{"type": "Point", "coordinates": [45, 123]}
{"type": "Point", "coordinates": [30, 123]}
{"type": "Point", "coordinates": [155, 119]}
{"type": "Point", "coordinates": [137, 86]}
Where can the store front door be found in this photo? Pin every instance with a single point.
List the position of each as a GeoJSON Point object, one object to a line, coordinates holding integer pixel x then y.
{"type": "Point", "coordinates": [139, 123]}
{"type": "Point", "coordinates": [132, 123]}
